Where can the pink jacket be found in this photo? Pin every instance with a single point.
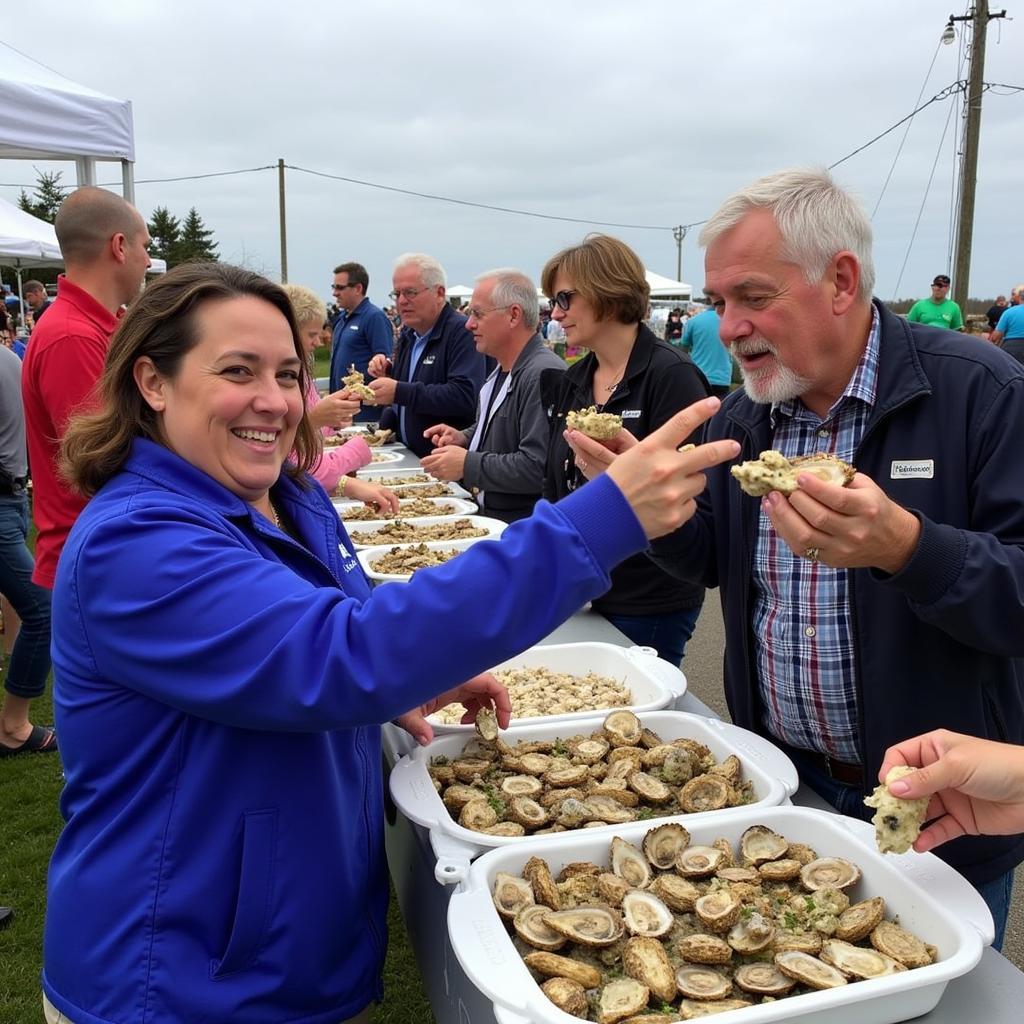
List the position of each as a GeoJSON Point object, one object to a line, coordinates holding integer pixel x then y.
{"type": "Point", "coordinates": [337, 462]}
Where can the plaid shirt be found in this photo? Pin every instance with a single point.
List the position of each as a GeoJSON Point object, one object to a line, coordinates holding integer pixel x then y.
{"type": "Point", "coordinates": [803, 635]}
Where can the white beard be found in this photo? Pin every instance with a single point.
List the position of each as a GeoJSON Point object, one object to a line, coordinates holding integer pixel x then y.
{"type": "Point", "coordinates": [770, 384]}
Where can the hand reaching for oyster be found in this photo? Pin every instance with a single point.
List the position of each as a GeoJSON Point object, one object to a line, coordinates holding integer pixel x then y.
{"type": "Point", "coordinates": [480, 692]}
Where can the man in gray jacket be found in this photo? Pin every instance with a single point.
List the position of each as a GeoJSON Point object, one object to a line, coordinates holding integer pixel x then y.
{"type": "Point", "coordinates": [500, 457]}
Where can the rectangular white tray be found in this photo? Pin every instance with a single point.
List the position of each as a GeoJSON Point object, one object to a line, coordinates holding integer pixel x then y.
{"type": "Point", "coordinates": [382, 457]}
{"type": "Point", "coordinates": [367, 555]}
{"type": "Point", "coordinates": [445, 507]}
{"type": "Point", "coordinates": [772, 773]}
{"type": "Point", "coordinates": [655, 684]}
{"type": "Point", "coordinates": [494, 528]}
{"type": "Point", "coordinates": [928, 897]}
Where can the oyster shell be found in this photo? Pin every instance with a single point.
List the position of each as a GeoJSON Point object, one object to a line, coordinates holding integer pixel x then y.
{"type": "Point", "coordinates": [538, 874]}
{"type": "Point", "coordinates": [729, 769]}
{"type": "Point", "coordinates": [623, 729]}
{"type": "Point", "coordinates": [530, 927]}
{"type": "Point", "coordinates": [616, 791]}
{"type": "Point", "coordinates": [630, 864]}
{"type": "Point", "coordinates": [699, 861]}
{"type": "Point", "coordinates": [774, 472]}
{"type": "Point", "coordinates": [578, 867]}
{"type": "Point", "coordinates": [760, 844]}
{"type": "Point", "coordinates": [608, 809]}
{"type": "Point", "coordinates": [521, 785]}
{"type": "Point", "coordinates": [478, 814]}
{"type": "Point", "coordinates": [511, 894]}
{"type": "Point", "coordinates": [702, 983]}
{"type": "Point", "coordinates": [534, 764]}
{"type": "Point", "coordinates": [731, 873]}
{"type": "Point", "coordinates": [901, 945]}
{"type": "Point", "coordinates": [568, 995]}
{"type": "Point", "coordinates": [651, 789]}
{"type": "Point", "coordinates": [677, 768]}
{"type": "Point", "coordinates": [662, 845]}
{"type": "Point", "coordinates": [556, 966]}
{"type": "Point", "coordinates": [809, 970]}
{"type": "Point", "coordinates": [675, 892]}
{"type": "Point", "coordinates": [797, 942]}
{"type": "Point", "coordinates": [579, 890]}
{"type": "Point", "coordinates": [693, 1009]}
{"type": "Point", "coordinates": [620, 999]}
{"type": "Point", "coordinates": [704, 949]}
{"type": "Point", "coordinates": [829, 873]}
{"type": "Point", "coordinates": [704, 793]}
{"type": "Point", "coordinates": [612, 888]}
{"type": "Point", "coordinates": [645, 960]}
{"type": "Point", "coordinates": [486, 724]}
{"type": "Point", "coordinates": [860, 920]}
{"type": "Point", "coordinates": [573, 812]}
{"type": "Point", "coordinates": [457, 796]}
{"type": "Point", "coordinates": [590, 751]}
{"type": "Point", "coordinates": [574, 775]}
{"type": "Point", "coordinates": [644, 914]}
{"type": "Point", "coordinates": [467, 769]}
{"type": "Point", "coordinates": [527, 812]}
{"type": "Point", "coordinates": [802, 852]}
{"type": "Point", "coordinates": [589, 926]}
{"type": "Point", "coordinates": [784, 870]}
{"type": "Point", "coordinates": [504, 828]}
{"type": "Point", "coordinates": [650, 739]}
{"type": "Point", "coordinates": [718, 910]}
{"type": "Point", "coordinates": [763, 980]}
{"type": "Point", "coordinates": [751, 934]}
{"type": "Point", "coordinates": [857, 962]}
{"type": "Point", "coordinates": [897, 822]}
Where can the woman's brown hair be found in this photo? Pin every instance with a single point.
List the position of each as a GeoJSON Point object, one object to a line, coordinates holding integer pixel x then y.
{"type": "Point", "coordinates": [161, 324]}
{"type": "Point", "coordinates": [607, 273]}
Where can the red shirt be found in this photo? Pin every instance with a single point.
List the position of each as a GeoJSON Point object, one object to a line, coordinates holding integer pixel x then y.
{"type": "Point", "coordinates": [63, 362]}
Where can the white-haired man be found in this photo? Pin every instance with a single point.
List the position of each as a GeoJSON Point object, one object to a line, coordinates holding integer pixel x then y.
{"type": "Point", "coordinates": [501, 456]}
{"type": "Point", "coordinates": [436, 372]}
{"type": "Point", "coordinates": [859, 616]}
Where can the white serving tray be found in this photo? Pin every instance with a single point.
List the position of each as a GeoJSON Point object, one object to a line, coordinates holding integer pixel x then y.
{"type": "Point", "coordinates": [929, 897]}
{"type": "Point", "coordinates": [366, 555]}
{"type": "Point", "coordinates": [655, 684]}
{"type": "Point", "coordinates": [382, 457]}
{"type": "Point", "coordinates": [494, 528]}
{"type": "Point", "coordinates": [445, 507]}
{"type": "Point", "coordinates": [772, 773]}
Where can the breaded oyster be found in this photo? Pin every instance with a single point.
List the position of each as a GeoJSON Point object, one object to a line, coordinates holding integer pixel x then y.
{"type": "Point", "coordinates": [897, 822]}
{"type": "Point", "coordinates": [355, 382]}
{"type": "Point", "coordinates": [599, 425]}
{"type": "Point", "coordinates": [774, 472]}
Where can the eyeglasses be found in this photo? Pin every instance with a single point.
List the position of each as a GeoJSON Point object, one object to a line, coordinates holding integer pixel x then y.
{"type": "Point", "coordinates": [479, 314]}
{"type": "Point", "coordinates": [563, 299]}
{"type": "Point", "coordinates": [342, 287]}
{"type": "Point", "coordinates": [408, 293]}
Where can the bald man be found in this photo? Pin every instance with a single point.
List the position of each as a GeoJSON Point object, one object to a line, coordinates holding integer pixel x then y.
{"type": "Point", "coordinates": [104, 242]}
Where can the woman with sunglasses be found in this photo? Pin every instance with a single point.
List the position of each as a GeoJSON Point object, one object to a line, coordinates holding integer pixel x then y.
{"type": "Point", "coordinates": [599, 296]}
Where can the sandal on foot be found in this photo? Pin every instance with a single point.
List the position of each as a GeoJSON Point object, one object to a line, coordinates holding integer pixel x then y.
{"type": "Point", "coordinates": [41, 740]}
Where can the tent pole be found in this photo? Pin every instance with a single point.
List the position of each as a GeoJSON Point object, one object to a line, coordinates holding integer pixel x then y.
{"type": "Point", "coordinates": [128, 181]}
{"type": "Point", "coordinates": [21, 298]}
{"type": "Point", "coordinates": [85, 169]}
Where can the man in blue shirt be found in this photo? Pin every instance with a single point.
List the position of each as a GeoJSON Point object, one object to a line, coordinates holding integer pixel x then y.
{"type": "Point", "coordinates": [360, 332]}
{"type": "Point", "coordinates": [700, 337]}
{"type": "Point", "coordinates": [1009, 332]}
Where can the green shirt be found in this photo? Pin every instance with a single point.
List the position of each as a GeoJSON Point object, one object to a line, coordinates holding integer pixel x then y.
{"type": "Point", "coordinates": [937, 314]}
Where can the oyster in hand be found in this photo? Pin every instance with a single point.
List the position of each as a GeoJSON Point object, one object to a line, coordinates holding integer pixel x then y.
{"type": "Point", "coordinates": [355, 382]}
{"type": "Point", "coordinates": [897, 822]}
{"type": "Point", "coordinates": [774, 472]}
{"type": "Point", "coordinates": [602, 426]}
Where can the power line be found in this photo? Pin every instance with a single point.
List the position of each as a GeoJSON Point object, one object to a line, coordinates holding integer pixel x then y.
{"type": "Point", "coordinates": [158, 181]}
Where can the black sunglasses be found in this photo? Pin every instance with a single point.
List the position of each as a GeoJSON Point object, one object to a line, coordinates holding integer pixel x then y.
{"type": "Point", "coordinates": [563, 298]}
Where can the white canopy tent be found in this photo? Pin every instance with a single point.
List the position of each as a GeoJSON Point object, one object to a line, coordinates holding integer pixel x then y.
{"type": "Point", "coordinates": [49, 117]}
{"type": "Point", "coordinates": [666, 288]}
{"type": "Point", "coordinates": [458, 291]}
{"type": "Point", "coordinates": [26, 241]}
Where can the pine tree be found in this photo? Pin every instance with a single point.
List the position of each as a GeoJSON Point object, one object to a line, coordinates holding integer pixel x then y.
{"type": "Point", "coordinates": [49, 194]}
{"type": "Point", "coordinates": [165, 234]}
{"type": "Point", "coordinates": [196, 240]}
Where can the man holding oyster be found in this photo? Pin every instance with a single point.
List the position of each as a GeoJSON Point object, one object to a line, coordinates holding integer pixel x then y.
{"type": "Point", "coordinates": [856, 615]}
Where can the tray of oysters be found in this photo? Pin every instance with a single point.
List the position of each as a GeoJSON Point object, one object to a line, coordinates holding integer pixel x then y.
{"type": "Point", "coordinates": [761, 914]}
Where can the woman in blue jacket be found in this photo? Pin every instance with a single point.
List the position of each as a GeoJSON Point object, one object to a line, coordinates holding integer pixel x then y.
{"type": "Point", "coordinates": [221, 666]}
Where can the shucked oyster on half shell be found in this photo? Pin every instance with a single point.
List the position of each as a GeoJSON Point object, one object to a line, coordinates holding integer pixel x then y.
{"type": "Point", "coordinates": [860, 920]}
{"type": "Point", "coordinates": [486, 724]}
{"type": "Point", "coordinates": [623, 729]}
{"type": "Point", "coordinates": [774, 472]}
{"type": "Point", "coordinates": [760, 844]}
{"type": "Point", "coordinates": [857, 962]}
{"type": "Point", "coordinates": [620, 999]}
{"type": "Point", "coordinates": [695, 1009]}
{"type": "Point", "coordinates": [644, 914]}
{"type": "Point", "coordinates": [809, 970]}
{"type": "Point", "coordinates": [663, 844]}
{"type": "Point", "coordinates": [829, 873]}
{"type": "Point", "coordinates": [511, 894]}
{"type": "Point", "coordinates": [589, 926]}
{"type": "Point", "coordinates": [751, 934]}
{"type": "Point", "coordinates": [704, 793]}
{"type": "Point", "coordinates": [530, 927]}
{"type": "Point", "coordinates": [630, 864]}
{"type": "Point", "coordinates": [763, 980]}
{"type": "Point", "coordinates": [699, 861]}
{"type": "Point", "coordinates": [892, 940]}
{"type": "Point", "coordinates": [702, 983]}
{"type": "Point", "coordinates": [718, 910]}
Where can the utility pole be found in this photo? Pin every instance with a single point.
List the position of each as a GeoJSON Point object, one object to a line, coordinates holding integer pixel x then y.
{"type": "Point", "coordinates": [679, 233]}
{"type": "Point", "coordinates": [979, 17]}
{"type": "Point", "coordinates": [284, 225]}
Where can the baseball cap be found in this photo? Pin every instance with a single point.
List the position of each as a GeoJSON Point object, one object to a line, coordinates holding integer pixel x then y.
{"type": "Point", "coordinates": [941, 279]}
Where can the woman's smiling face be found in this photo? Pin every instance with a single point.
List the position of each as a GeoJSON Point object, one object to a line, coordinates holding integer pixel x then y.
{"type": "Point", "coordinates": [233, 408]}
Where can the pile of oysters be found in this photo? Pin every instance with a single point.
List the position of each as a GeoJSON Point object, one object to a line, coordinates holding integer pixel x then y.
{"type": "Point", "coordinates": [674, 931]}
{"type": "Point", "coordinates": [622, 772]}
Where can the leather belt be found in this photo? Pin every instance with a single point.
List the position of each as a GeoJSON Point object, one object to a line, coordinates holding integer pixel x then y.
{"type": "Point", "coordinates": [840, 771]}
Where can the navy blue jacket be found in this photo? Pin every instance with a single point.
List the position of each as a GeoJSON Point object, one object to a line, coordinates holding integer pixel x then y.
{"type": "Point", "coordinates": [446, 383]}
{"type": "Point", "coordinates": [941, 643]}
{"type": "Point", "coordinates": [358, 337]}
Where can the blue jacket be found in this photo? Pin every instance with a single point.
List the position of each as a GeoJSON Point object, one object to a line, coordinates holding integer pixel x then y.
{"type": "Point", "coordinates": [941, 643]}
{"type": "Point", "coordinates": [357, 338]}
{"type": "Point", "coordinates": [446, 383]}
{"type": "Point", "coordinates": [217, 688]}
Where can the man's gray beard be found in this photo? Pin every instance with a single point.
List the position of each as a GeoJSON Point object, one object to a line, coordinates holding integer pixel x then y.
{"type": "Point", "coordinates": [779, 385]}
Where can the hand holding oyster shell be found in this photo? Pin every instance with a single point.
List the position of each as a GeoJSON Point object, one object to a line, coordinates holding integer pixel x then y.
{"type": "Point", "coordinates": [480, 692]}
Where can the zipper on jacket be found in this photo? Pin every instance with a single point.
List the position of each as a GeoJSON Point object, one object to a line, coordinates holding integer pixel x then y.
{"type": "Point", "coordinates": [378, 941]}
{"type": "Point", "coordinates": [997, 716]}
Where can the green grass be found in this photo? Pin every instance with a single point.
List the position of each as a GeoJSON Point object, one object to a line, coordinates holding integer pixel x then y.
{"type": "Point", "coordinates": [29, 825]}
{"type": "Point", "coordinates": [321, 361]}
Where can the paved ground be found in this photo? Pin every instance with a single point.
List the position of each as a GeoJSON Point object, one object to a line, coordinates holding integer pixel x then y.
{"type": "Point", "coordinates": [703, 668]}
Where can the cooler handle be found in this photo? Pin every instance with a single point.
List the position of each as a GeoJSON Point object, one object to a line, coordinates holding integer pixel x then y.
{"type": "Point", "coordinates": [413, 792]}
{"type": "Point", "coordinates": [668, 675]}
{"type": "Point", "coordinates": [769, 758]}
{"type": "Point", "coordinates": [453, 857]}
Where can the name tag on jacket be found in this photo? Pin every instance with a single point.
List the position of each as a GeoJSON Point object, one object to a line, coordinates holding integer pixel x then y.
{"type": "Point", "coordinates": [915, 469]}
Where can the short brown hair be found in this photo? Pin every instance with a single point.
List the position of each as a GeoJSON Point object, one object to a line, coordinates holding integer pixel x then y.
{"type": "Point", "coordinates": [89, 218]}
{"type": "Point", "coordinates": [161, 324]}
{"type": "Point", "coordinates": [356, 274]}
{"type": "Point", "coordinates": [33, 286]}
{"type": "Point", "coordinates": [607, 273]}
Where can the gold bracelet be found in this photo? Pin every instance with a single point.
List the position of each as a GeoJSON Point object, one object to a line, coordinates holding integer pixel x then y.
{"type": "Point", "coordinates": [342, 485]}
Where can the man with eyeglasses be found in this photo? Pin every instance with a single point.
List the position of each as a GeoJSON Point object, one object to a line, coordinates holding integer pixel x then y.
{"type": "Point", "coordinates": [360, 332]}
{"type": "Point", "coordinates": [938, 311]}
{"type": "Point", "coordinates": [437, 372]}
{"type": "Point", "coordinates": [501, 456]}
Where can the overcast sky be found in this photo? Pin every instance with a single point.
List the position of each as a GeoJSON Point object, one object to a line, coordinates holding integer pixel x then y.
{"type": "Point", "coordinates": [647, 112]}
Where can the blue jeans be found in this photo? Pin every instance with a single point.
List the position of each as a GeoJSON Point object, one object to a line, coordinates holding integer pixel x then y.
{"type": "Point", "coordinates": [666, 633]}
{"type": "Point", "coordinates": [849, 800]}
{"type": "Point", "coordinates": [30, 658]}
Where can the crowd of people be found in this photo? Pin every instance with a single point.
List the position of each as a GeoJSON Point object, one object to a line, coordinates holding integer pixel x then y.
{"type": "Point", "coordinates": [221, 665]}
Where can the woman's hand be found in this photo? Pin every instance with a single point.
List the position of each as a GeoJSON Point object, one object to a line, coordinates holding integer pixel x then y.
{"type": "Point", "coordinates": [482, 691]}
{"type": "Point", "coordinates": [334, 410]}
{"type": "Point", "coordinates": [594, 457]}
{"type": "Point", "coordinates": [976, 786]}
{"type": "Point", "coordinates": [385, 501]}
{"type": "Point", "coordinates": [660, 482]}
